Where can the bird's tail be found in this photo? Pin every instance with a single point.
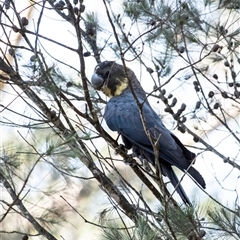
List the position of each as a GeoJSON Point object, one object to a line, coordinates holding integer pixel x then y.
{"type": "Point", "coordinates": [168, 171]}
{"type": "Point", "coordinates": [197, 176]}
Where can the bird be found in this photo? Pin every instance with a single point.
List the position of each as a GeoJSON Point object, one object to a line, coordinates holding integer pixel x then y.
{"type": "Point", "coordinates": [129, 113]}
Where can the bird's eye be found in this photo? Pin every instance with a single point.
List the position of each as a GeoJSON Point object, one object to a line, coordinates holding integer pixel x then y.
{"type": "Point", "coordinates": [97, 67]}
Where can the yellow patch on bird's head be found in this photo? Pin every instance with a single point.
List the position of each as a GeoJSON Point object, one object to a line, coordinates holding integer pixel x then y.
{"type": "Point", "coordinates": [115, 88]}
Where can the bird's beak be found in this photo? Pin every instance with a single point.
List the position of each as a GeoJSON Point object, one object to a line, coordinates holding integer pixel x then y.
{"type": "Point", "coordinates": [97, 81]}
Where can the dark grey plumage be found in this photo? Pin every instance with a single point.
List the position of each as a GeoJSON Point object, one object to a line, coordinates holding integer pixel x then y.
{"type": "Point", "coordinates": [122, 115]}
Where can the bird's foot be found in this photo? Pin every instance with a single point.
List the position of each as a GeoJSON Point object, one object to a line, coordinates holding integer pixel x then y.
{"type": "Point", "coordinates": [146, 166]}
{"type": "Point", "coordinates": [120, 148]}
{"type": "Point", "coordinates": [130, 161]}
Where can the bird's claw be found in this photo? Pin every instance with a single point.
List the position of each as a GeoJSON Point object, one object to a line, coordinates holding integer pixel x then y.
{"type": "Point", "coordinates": [120, 148]}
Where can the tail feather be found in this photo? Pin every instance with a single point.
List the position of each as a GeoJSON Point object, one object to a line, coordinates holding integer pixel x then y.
{"type": "Point", "coordinates": [168, 171]}
{"type": "Point", "coordinates": [197, 176]}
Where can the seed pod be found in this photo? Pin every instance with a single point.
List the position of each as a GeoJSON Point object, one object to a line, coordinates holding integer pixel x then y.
{"type": "Point", "coordinates": [211, 94]}
{"type": "Point", "coordinates": [179, 112]}
{"type": "Point", "coordinates": [59, 6]}
{"type": "Point", "coordinates": [237, 84]}
{"type": "Point", "coordinates": [236, 93]}
{"type": "Point", "coordinates": [224, 95]}
{"type": "Point", "coordinates": [198, 104]}
{"type": "Point", "coordinates": [86, 54]}
{"type": "Point", "coordinates": [195, 83]}
{"type": "Point", "coordinates": [231, 84]}
{"type": "Point", "coordinates": [33, 58]}
{"type": "Point", "coordinates": [181, 129]}
{"type": "Point", "coordinates": [53, 114]}
{"type": "Point", "coordinates": [165, 100]}
{"type": "Point", "coordinates": [221, 29]}
{"type": "Point", "coordinates": [11, 51]}
{"type": "Point", "coordinates": [215, 76]}
{"type": "Point", "coordinates": [233, 73]}
{"type": "Point", "coordinates": [197, 89]}
{"type": "Point", "coordinates": [168, 109]}
{"type": "Point", "coordinates": [174, 101]}
{"type": "Point", "coordinates": [75, 2]}
{"type": "Point", "coordinates": [75, 10]}
{"type": "Point", "coordinates": [150, 70]}
{"type": "Point", "coordinates": [226, 63]}
{"type": "Point", "coordinates": [175, 116]}
{"type": "Point", "coordinates": [62, 3]}
{"type": "Point", "coordinates": [69, 84]}
{"type": "Point", "coordinates": [196, 139]}
{"type": "Point", "coordinates": [24, 21]}
{"type": "Point", "coordinates": [238, 60]}
{"type": "Point", "coordinates": [7, 4]}
{"type": "Point", "coordinates": [170, 96]}
{"type": "Point", "coordinates": [82, 8]}
{"type": "Point", "coordinates": [183, 107]}
{"type": "Point", "coordinates": [216, 105]}
{"type": "Point", "coordinates": [202, 233]}
{"type": "Point", "coordinates": [215, 47]}
{"type": "Point", "coordinates": [25, 237]}
{"type": "Point", "coordinates": [181, 49]}
{"type": "Point", "coordinates": [163, 92]}
{"type": "Point", "coordinates": [184, 119]}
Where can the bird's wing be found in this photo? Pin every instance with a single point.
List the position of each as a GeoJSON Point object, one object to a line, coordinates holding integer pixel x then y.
{"type": "Point", "coordinates": [122, 115]}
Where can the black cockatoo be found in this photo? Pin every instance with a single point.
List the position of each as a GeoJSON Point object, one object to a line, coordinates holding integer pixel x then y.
{"type": "Point", "coordinates": [122, 114]}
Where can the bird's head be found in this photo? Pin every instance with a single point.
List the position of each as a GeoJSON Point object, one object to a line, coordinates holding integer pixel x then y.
{"type": "Point", "coordinates": [112, 78]}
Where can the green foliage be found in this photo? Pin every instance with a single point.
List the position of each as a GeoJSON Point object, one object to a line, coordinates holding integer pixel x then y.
{"type": "Point", "coordinates": [229, 4]}
{"type": "Point", "coordinates": [9, 162]}
{"type": "Point", "coordinates": [170, 223]}
{"type": "Point", "coordinates": [91, 25]}
{"type": "Point", "coordinates": [141, 231]}
{"type": "Point", "coordinates": [183, 221]}
{"type": "Point", "coordinates": [144, 232]}
{"type": "Point", "coordinates": [135, 9]}
{"type": "Point", "coordinates": [228, 223]}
